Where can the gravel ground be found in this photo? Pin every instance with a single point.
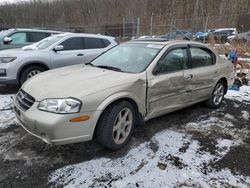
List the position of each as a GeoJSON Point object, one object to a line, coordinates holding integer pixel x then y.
{"type": "Point", "coordinates": [194, 147]}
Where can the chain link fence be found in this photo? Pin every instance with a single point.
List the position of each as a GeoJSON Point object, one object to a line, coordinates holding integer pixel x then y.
{"type": "Point", "coordinates": [154, 26]}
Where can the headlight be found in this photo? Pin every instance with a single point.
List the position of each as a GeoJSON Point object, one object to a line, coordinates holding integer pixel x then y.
{"type": "Point", "coordinates": [7, 59]}
{"type": "Point", "coordinates": [60, 106]}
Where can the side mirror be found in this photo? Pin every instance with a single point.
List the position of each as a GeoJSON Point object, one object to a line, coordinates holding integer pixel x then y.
{"type": "Point", "coordinates": [156, 70]}
{"type": "Point", "coordinates": [58, 48]}
{"type": "Point", "coordinates": [7, 40]}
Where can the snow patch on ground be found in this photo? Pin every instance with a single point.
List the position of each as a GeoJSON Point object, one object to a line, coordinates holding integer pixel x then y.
{"type": "Point", "coordinates": [214, 124]}
{"type": "Point", "coordinates": [7, 117]}
{"type": "Point", "coordinates": [205, 125]}
{"type": "Point", "coordinates": [244, 59]}
{"type": "Point", "coordinates": [243, 95]}
{"type": "Point", "coordinates": [229, 116]}
{"type": "Point", "coordinates": [6, 141]}
{"type": "Point", "coordinates": [245, 115]}
{"type": "Point", "coordinates": [169, 166]}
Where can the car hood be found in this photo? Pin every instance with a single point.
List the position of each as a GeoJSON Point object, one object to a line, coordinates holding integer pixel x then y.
{"type": "Point", "coordinates": [10, 52]}
{"type": "Point", "coordinates": [17, 52]}
{"type": "Point", "coordinates": [74, 81]}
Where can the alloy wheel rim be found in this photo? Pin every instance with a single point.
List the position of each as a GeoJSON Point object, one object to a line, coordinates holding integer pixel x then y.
{"type": "Point", "coordinates": [218, 94]}
{"type": "Point", "coordinates": [122, 125]}
{"type": "Point", "coordinates": [33, 73]}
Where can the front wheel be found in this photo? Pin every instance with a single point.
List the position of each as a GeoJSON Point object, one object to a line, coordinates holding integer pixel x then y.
{"type": "Point", "coordinates": [116, 125]}
{"type": "Point", "coordinates": [29, 72]}
{"type": "Point", "coordinates": [217, 95]}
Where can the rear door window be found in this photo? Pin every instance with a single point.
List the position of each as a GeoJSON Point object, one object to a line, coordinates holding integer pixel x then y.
{"type": "Point", "coordinates": [19, 38]}
{"type": "Point", "coordinates": [93, 43]}
{"type": "Point", "coordinates": [75, 43]}
{"type": "Point", "coordinates": [201, 57]}
{"type": "Point", "coordinates": [37, 36]}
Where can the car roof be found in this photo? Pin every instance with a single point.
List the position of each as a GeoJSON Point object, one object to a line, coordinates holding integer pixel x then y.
{"type": "Point", "coordinates": [164, 41]}
{"type": "Point", "coordinates": [85, 35]}
{"type": "Point", "coordinates": [150, 39]}
{"type": "Point", "coordinates": [171, 42]}
{"type": "Point", "coordinates": [34, 30]}
{"type": "Point", "coordinates": [225, 29]}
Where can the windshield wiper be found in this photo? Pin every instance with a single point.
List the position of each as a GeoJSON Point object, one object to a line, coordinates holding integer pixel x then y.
{"type": "Point", "coordinates": [109, 68]}
{"type": "Point", "coordinates": [90, 64]}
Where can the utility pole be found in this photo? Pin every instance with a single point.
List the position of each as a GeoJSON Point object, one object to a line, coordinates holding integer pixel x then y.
{"type": "Point", "coordinates": [151, 24]}
{"type": "Point", "coordinates": [204, 39]}
{"type": "Point", "coordinates": [123, 27]}
{"type": "Point", "coordinates": [138, 27]}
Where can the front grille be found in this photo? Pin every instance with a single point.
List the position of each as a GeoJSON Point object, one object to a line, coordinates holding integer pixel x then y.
{"type": "Point", "coordinates": [24, 100]}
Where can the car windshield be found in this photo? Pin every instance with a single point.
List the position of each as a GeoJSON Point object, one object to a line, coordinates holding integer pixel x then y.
{"type": "Point", "coordinates": [132, 58]}
{"type": "Point", "coordinates": [47, 42]}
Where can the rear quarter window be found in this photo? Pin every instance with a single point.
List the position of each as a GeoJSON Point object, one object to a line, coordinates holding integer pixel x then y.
{"type": "Point", "coordinates": [201, 57]}
{"type": "Point", "coordinates": [106, 42]}
{"type": "Point", "coordinates": [94, 43]}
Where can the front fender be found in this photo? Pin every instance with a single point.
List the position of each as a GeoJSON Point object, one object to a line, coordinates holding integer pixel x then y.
{"type": "Point", "coordinates": [30, 63]}
{"type": "Point", "coordinates": [109, 100]}
{"type": "Point", "coordinates": [118, 96]}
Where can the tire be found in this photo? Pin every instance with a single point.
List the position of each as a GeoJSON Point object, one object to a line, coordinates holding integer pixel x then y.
{"type": "Point", "coordinates": [29, 72]}
{"type": "Point", "coordinates": [237, 83]}
{"type": "Point", "coordinates": [109, 132]}
{"type": "Point", "coordinates": [245, 82]}
{"type": "Point", "coordinates": [217, 95]}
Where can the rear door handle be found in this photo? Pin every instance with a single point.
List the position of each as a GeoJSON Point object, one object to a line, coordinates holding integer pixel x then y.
{"type": "Point", "coordinates": [189, 77]}
{"type": "Point", "coordinates": [80, 54]}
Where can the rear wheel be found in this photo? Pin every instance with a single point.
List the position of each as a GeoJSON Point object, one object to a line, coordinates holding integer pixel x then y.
{"type": "Point", "coordinates": [116, 125]}
{"type": "Point", "coordinates": [30, 72]}
{"type": "Point", "coordinates": [217, 95]}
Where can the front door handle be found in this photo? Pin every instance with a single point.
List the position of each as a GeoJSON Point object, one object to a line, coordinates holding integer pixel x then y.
{"type": "Point", "coordinates": [189, 77]}
{"type": "Point", "coordinates": [80, 54]}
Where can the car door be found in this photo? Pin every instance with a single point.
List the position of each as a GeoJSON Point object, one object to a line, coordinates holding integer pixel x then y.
{"type": "Point", "coordinates": [203, 73]}
{"type": "Point", "coordinates": [93, 47]}
{"type": "Point", "coordinates": [19, 39]}
{"type": "Point", "coordinates": [167, 86]}
{"type": "Point", "coordinates": [71, 54]}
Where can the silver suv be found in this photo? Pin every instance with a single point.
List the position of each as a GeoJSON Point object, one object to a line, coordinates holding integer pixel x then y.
{"type": "Point", "coordinates": [18, 65]}
{"type": "Point", "coordinates": [17, 38]}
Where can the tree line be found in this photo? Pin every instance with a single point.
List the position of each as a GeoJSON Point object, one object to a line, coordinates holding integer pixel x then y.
{"type": "Point", "coordinates": [94, 13]}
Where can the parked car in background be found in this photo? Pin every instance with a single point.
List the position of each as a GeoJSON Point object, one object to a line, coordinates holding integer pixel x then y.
{"type": "Point", "coordinates": [203, 37]}
{"type": "Point", "coordinates": [221, 35]}
{"type": "Point", "coordinates": [18, 65]}
{"type": "Point", "coordinates": [242, 37]}
{"type": "Point", "coordinates": [17, 38]}
{"type": "Point", "coordinates": [178, 35]}
{"type": "Point", "coordinates": [4, 28]}
{"type": "Point", "coordinates": [131, 83]}
{"type": "Point", "coordinates": [199, 36]}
